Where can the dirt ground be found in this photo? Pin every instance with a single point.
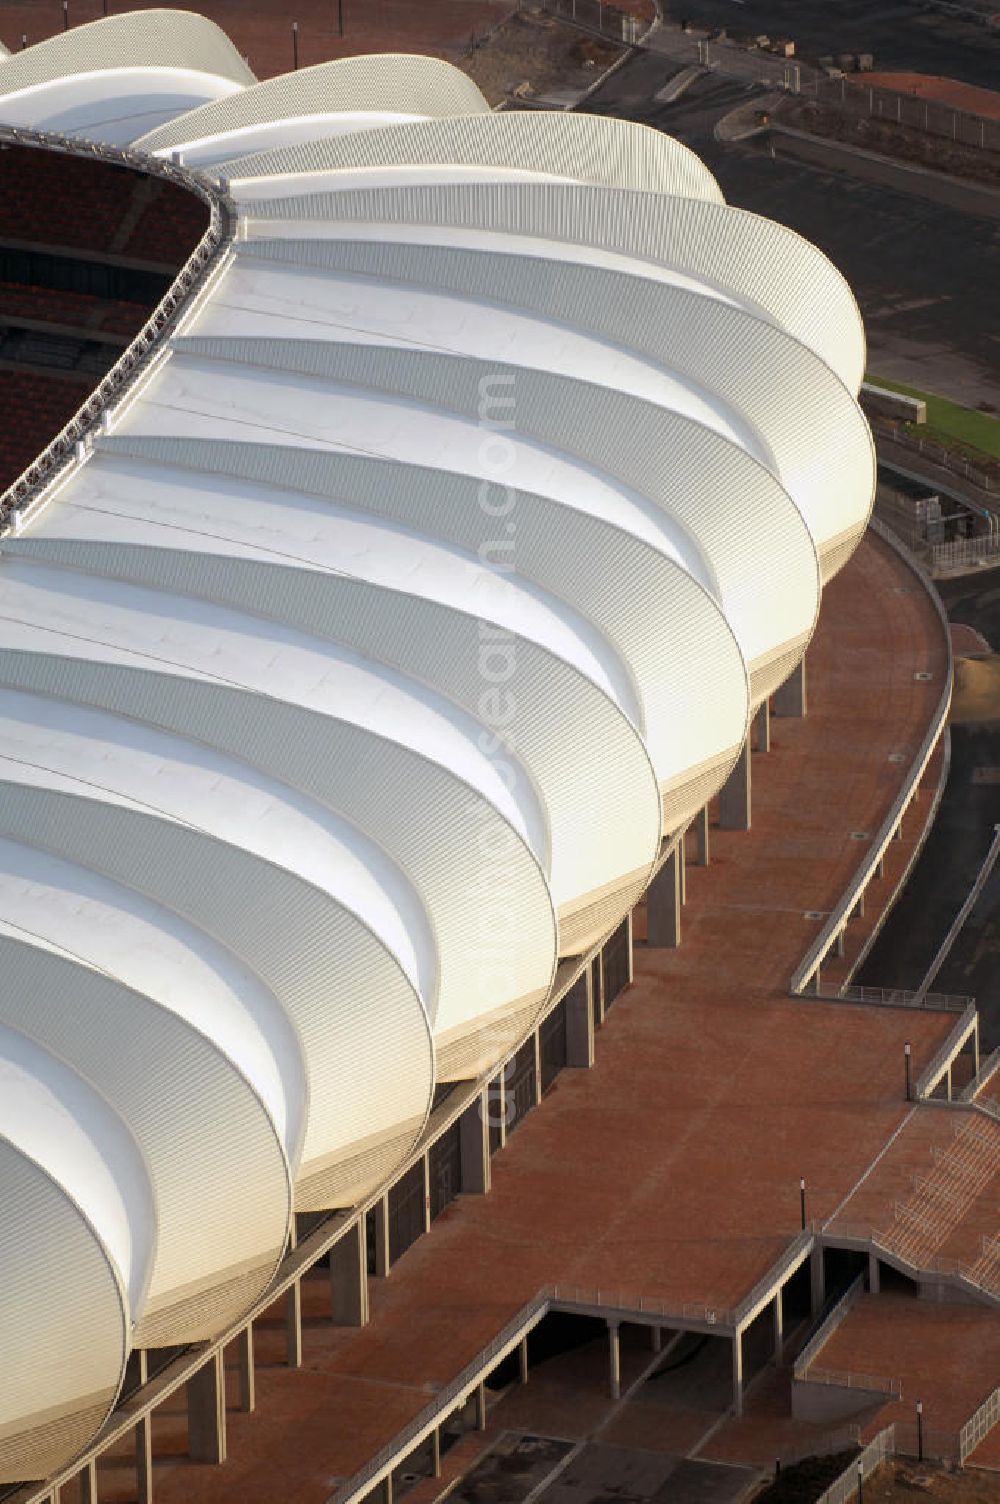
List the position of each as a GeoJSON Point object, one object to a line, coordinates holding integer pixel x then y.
{"type": "Point", "coordinates": [976, 702]}
{"type": "Point", "coordinates": [892, 140]}
{"type": "Point", "coordinates": [913, 1483]}
{"type": "Point", "coordinates": [532, 53]}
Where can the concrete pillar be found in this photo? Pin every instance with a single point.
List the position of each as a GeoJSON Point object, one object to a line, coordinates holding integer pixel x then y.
{"type": "Point", "coordinates": [88, 1483]}
{"type": "Point", "coordinates": [474, 1146]}
{"type": "Point", "coordinates": [663, 905]}
{"type": "Point", "coordinates": [874, 1281]}
{"type": "Point", "coordinates": [738, 1371]}
{"type": "Point", "coordinates": [597, 990]}
{"type": "Point", "coordinates": [839, 943]}
{"type": "Point", "coordinates": [143, 1436]}
{"type": "Point", "coordinates": [522, 1360]}
{"type": "Point", "coordinates": [975, 1047]}
{"type": "Point", "coordinates": [858, 912]}
{"type": "Point", "coordinates": [790, 699]}
{"type": "Point", "coordinates": [427, 1191]}
{"type": "Point", "coordinates": [897, 834]}
{"type": "Point", "coordinates": [385, 1490]}
{"type": "Point", "coordinates": [701, 823]}
{"type": "Point", "coordinates": [682, 867]}
{"type": "Point", "coordinates": [436, 1452]}
{"type": "Point", "coordinates": [537, 1040]}
{"type": "Point", "coordinates": [630, 947]}
{"type": "Point", "coordinates": [248, 1385]}
{"type": "Point", "coordinates": [580, 1023]}
{"type": "Point", "coordinates": [778, 1315]}
{"type": "Point", "coordinates": [614, 1361]}
{"type": "Point", "coordinates": [206, 1407]}
{"type": "Point", "coordinates": [880, 868]}
{"type": "Point", "coordinates": [293, 1324]}
{"type": "Point", "coordinates": [656, 1338]}
{"type": "Point", "coordinates": [947, 1083]}
{"type": "Point", "coordinates": [383, 1261]}
{"type": "Point", "coordinates": [817, 1282]}
{"type": "Point", "coordinates": [734, 796]}
{"type": "Point", "coordinates": [349, 1277]}
{"type": "Point", "coordinates": [762, 721]}
{"type": "Point", "coordinates": [481, 1406]}
{"type": "Point", "coordinates": [144, 1460]}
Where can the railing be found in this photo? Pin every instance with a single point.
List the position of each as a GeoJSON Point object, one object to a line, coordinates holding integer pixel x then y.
{"type": "Point", "coordinates": [793, 1255]}
{"type": "Point", "coordinates": [897, 997]}
{"type": "Point", "coordinates": [984, 550]}
{"type": "Point", "coordinates": [641, 1305]}
{"type": "Point", "coordinates": [878, 1450]}
{"type": "Point", "coordinates": [942, 1057]}
{"type": "Point", "coordinates": [838, 919]}
{"type": "Point", "coordinates": [847, 1301]}
{"type": "Point", "coordinates": [871, 1383]}
{"type": "Point", "coordinates": [853, 97]}
{"type": "Point", "coordinates": [988, 1068]}
{"type": "Point", "coordinates": [938, 454]}
{"type": "Point", "coordinates": [447, 1398]}
{"type": "Point", "coordinates": [979, 1426]}
{"type": "Point", "coordinates": [61, 452]}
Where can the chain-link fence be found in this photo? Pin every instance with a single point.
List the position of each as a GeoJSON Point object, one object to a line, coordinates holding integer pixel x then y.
{"type": "Point", "coordinates": [594, 15]}
{"type": "Point", "coordinates": [853, 97]}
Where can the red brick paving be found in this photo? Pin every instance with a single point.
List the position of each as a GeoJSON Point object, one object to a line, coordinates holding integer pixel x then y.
{"type": "Point", "coordinates": [948, 91]}
{"type": "Point", "coordinates": [261, 29]}
{"type": "Point", "coordinates": [670, 1170]}
{"type": "Point", "coordinates": [945, 1355]}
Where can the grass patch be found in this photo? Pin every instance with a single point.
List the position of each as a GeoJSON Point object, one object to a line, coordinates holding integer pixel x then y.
{"type": "Point", "coordinates": [975, 433]}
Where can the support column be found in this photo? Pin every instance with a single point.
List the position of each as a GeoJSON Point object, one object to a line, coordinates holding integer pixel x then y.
{"type": "Point", "coordinates": [778, 1314]}
{"type": "Point", "coordinates": [579, 1024]}
{"type": "Point", "coordinates": [839, 943]}
{"type": "Point", "coordinates": [738, 1372]}
{"type": "Point", "coordinates": [858, 912]}
{"type": "Point", "coordinates": [88, 1483]}
{"type": "Point", "coordinates": [734, 796]}
{"type": "Point", "coordinates": [537, 1039]}
{"type": "Point", "coordinates": [597, 990]}
{"type": "Point", "coordinates": [630, 947]}
{"type": "Point", "coordinates": [522, 1360]}
{"type": "Point", "coordinates": [436, 1452]}
{"type": "Point", "coordinates": [293, 1324]}
{"type": "Point", "coordinates": [481, 1406]}
{"type": "Point", "coordinates": [383, 1262]}
{"type": "Point", "coordinates": [874, 1281]}
{"type": "Point", "coordinates": [880, 868]}
{"type": "Point", "coordinates": [656, 1338]}
{"type": "Point", "coordinates": [663, 905]}
{"type": "Point", "coordinates": [947, 1081]}
{"type": "Point", "coordinates": [790, 698]}
{"type": "Point", "coordinates": [385, 1489]}
{"type": "Point", "coordinates": [206, 1407]}
{"type": "Point", "coordinates": [701, 821]}
{"type": "Point", "coordinates": [614, 1361]}
{"type": "Point", "coordinates": [143, 1435]}
{"type": "Point", "coordinates": [248, 1385]}
{"type": "Point", "coordinates": [474, 1147]}
{"type": "Point", "coordinates": [682, 868]}
{"type": "Point", "coordinates": [427, 1191]}
{"type": "Point", "coordinates": [762, 721]}
{"type": "Point", "coordinates": [817, 1282]}
{"type": "Point", "coordinates": [349, 1278]}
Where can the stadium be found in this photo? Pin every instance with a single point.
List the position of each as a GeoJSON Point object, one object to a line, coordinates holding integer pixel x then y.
{"type": "Point", "coordinates": [440, 505]}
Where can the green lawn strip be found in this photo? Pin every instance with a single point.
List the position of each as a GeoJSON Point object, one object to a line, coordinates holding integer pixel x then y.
{"type": "Point", "coordinates": [974, 433]}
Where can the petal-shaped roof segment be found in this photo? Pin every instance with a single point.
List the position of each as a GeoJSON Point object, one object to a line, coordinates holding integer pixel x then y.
{"type": "Point", "coordinates": [329, 99]}
{"type": "Point", "coordinates": [354, 672]}
{"type": "Point", "coordinates": [116, 78]}
{"type": "Point", "coordinates": [74, 1188]}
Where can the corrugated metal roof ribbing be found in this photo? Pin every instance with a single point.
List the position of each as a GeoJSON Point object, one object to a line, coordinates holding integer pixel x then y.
{"type": "Point", "coordinates": [353, 678]}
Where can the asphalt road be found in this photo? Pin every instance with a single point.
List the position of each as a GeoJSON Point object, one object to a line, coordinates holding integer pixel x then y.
{"type": "Point", "coordinates": [949, 862]}
{"type": "Point", "coordinates": [927, 280]}
{"type": "Point", "coordinates": [901, 34]}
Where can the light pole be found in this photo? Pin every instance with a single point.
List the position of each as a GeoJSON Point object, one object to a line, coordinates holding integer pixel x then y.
{"type": "Point", "coordinates": [802, 1201]}
{"type": "Point", "coordinates": [295, 45]}
{"type": "Point", "coordinates": [908, 1067]}
{"type": "Point", "coordinates": [340, 17]}
{"type": "Point", "coordinates": [65, 15]}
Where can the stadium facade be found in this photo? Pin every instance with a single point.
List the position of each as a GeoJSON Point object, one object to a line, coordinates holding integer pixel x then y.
{"type": "Point", "coordinates": [365, 650]}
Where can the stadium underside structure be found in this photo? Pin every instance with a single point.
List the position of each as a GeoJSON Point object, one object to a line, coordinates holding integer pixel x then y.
{"type": "Point", "coordinates": [360, 653]}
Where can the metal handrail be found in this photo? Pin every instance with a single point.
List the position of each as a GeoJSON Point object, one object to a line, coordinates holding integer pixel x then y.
{"type": "Point", "coordinates": [938, 1063]}
{"type": "Point", "coordinates": [800, 1245]}
{"type": "Point", "coordinates": [979, 1425]}
{"type": "Point", "coordinates": [642, 1305]}
{"type": "Point", "coordinates": [60, 453]}
{"type": "Point", "coordinates": [847, 1301]}
{"type": "Point", "coordinates": [896, 997]}
{"type": "Point", "coordinates": [837, 920]}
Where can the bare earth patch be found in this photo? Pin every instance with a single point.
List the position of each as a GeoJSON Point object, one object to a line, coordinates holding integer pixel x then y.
{"type": "Point", "coordinates": [922, 1483]}
{"type": "Point", "coordinates": [531, 54]}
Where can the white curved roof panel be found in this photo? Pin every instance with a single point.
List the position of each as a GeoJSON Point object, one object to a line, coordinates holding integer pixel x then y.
{"type": "Point", "coordinates": [422, 583]}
